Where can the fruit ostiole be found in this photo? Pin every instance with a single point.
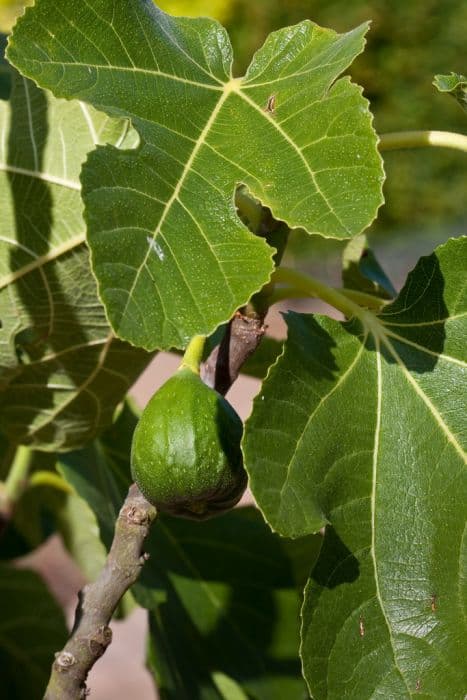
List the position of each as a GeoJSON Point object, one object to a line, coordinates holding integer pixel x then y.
{"type": "Point", "coordinates": [186, 456]}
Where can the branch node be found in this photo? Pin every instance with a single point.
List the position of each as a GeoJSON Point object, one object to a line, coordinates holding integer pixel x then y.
{"type": "Point", "coordinates": [64, 660]}
{"type": "Point", "coordinates": [135, 515]}
{"type": "Point", "coordinates": [100, 641]}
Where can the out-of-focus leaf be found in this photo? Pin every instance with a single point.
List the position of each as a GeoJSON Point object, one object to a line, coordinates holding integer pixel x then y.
{"type": "Point", "coordinates": [78, 527]}
{"type": "Point", "coordinates": [32, 628]}
{"type": "Point", "coordinates": [171, 256]}
{"type": "Point", "coordinates": [219, 9]}
{"type": "Point", "coordinates": [100, 472]}
{"type": "Point", "coordinates": [61, 370]}
{"type": "Point", "coordinates": [229, 591]}
{"type": "Point", "coordinates": [100, 476]}
{"type": "Point", "coordinates": [455, 84]}
{"type": "Point", "coordinates": [33, 518]}
{"type": "Point", "coordinates": [362, 271]}
{"type": "Point", "coordinates": [90, 473]}
{"type": "Point", "coordinates": [5, 71]}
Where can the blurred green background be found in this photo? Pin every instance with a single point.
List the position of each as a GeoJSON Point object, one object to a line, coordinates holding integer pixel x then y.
{"type": "Point", "coordinates": [408, 43]}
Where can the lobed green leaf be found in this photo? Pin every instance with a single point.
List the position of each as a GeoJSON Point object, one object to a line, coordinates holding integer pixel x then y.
{"type": "Point", "coordinates": [375, 448]}
{"type": "Point", "coordinates": [171, 256]}
{"type": "Point", "coordinates": [228, 590]}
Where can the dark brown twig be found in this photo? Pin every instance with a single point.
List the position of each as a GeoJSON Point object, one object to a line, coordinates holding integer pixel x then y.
{"type": "Point", "coordinates": [242, 337]}
{"type": "Point", "coordinates": [91, 634]}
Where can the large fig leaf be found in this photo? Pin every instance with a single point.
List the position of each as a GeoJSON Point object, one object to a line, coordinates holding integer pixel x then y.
{"type": "Point", "coordinates": [362, 425]}
{"type": "Point", "coordinates": [62, 371]}
{"type": "Point", "coordinates": [171, 256]}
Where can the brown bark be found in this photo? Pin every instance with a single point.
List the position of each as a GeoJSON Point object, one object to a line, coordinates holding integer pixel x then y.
{"type": "Point", "coordinates": [91, 634]}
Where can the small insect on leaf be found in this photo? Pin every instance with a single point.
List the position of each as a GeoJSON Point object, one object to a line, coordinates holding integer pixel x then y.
{"type": "Point", "coordinates": [361, 627]}
{"type": "Point", "coordinates": [433, 602]}
{"type": "Point", "coordinates": [271, 105]}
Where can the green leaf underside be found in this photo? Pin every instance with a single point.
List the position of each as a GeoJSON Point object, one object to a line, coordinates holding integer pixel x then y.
{"type": "Point", "coordinates": [375, 416]}
{"type": "Point", "coordinates": [62, 371]}
{"type": "Point", "coordinates": [32, 628]}
{"type": "Point", "coordinates": [455, 84]}
{"type": "Point", "coordinates": [171, 256]}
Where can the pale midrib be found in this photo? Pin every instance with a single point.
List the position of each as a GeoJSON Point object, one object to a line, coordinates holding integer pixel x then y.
{"type": "Point", "coordinates": [176, 193]}
{"type": "Point", "coordinates": [373, 503]}
{"type": "Point", "coordinates": [290, 76]}
{"type": "Point", "coordinates": [421, 348]}
{"type": "Point", "coordinates": [89, 122]}
{"type": "Point", "coordinates": [422, 324]}
{"type": "Point", "coordinates": [42, 260]}
{"type": "Point", "coordinates": [131, 69]}
{"type": "Point", "coordinates": [46, 177]}
{"type": "Point", "coordinates": [433, 410]}
{"type": "Point", "coordinates": [30, 124]}
{"type": "Point", "coordinates": [52, 357]}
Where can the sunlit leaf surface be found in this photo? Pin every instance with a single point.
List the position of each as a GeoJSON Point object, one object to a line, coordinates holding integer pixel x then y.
{"type": "Point", "coordinates": [171, 256]}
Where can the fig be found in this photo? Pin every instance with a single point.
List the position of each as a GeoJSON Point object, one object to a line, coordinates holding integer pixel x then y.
{"type": "Point", "coordinates": [186, 456]}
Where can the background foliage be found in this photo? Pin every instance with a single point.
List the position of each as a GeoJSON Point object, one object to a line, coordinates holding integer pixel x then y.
{"type": "Point", "coordinates": [408, 43]}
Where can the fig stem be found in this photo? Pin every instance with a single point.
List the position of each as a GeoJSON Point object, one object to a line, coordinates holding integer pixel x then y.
{"type": "Point", "coordinates": [368, 301]}
{"type": "Point", "coordinates": [421, 139]}
{"type": "Point", "coordinates": [194, 353]}
{"type": "Point", "coordinates": [15, 483]}
{"type": "Point", "coordinates": [314, 288]}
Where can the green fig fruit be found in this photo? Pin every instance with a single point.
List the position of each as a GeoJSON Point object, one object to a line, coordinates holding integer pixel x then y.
{"type": "Point", "coordinates": [186, 456]}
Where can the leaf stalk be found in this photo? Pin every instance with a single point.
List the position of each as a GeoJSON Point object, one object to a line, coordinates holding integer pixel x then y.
{"type": "Point", "coordinates": [421, 139]}
{"type": "Point", "coordinates": [14, 485]}
{"type": "Point", "coordinates": [361, 298]}
{"type": "Point", "coordinates": [347, 301]}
